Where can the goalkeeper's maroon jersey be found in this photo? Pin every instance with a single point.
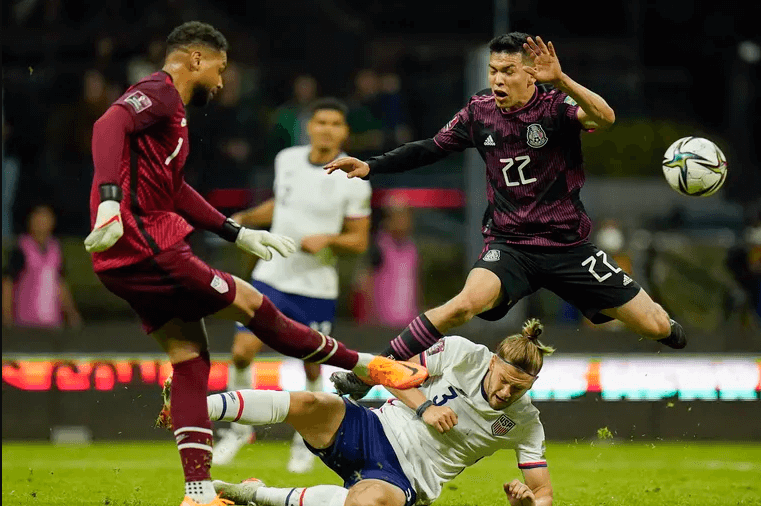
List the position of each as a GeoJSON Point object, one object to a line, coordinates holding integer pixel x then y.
{"type": "Point", "coordinates": [150, 173]}
{"type": "Point", "coordinates": [534, 167]}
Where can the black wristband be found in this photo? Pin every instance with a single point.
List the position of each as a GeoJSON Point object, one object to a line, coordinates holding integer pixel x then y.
{"type": "Point", "coordinates": [110, 191]}
{"type": "Point", "coordinates": [421, 409]}
{"type": "Point", "coordinates": [229, 230]}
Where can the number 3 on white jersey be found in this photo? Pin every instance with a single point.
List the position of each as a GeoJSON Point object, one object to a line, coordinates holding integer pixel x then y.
{"type": "Point", "coordinates": [524, 159]}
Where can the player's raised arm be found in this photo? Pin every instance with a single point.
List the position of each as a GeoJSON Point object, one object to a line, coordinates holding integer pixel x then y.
{"type": "Point", "coordinates": [594, 111]}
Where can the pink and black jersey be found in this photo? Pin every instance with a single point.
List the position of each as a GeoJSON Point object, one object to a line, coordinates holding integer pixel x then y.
{"type": "Point", "coordinates": [534, 166]}
{"type": "Point", "coordinates": [149, 173]}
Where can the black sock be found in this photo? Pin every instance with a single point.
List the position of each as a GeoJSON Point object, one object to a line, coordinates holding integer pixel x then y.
{"type": "Point", "coordinates": [677, 339]}
{"type": "Point", "coordinates": [419, 335]}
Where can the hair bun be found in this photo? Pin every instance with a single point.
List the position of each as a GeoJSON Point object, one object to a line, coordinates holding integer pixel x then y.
{"type": "Point", "coordinates": [532, 329]}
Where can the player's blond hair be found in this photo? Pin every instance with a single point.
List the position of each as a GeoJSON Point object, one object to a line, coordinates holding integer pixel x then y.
{"type": "Point", "coordinates": [524, 350]}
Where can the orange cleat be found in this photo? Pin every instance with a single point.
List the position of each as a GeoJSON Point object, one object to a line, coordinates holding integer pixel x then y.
{"type": "Point", "coordinates": [218, 501]}
{"type": "Point", "coordinates": [164, 420]}
{"type": "Point", "coordinates": [396, 374]}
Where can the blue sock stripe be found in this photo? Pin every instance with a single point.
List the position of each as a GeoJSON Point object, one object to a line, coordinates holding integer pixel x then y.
{"type": "Point", "coordinates": [224, 406]}
{"type": "Point", "coordinates": [287, 498]}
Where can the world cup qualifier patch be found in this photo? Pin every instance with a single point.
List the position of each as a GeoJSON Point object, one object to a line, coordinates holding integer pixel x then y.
{"type": "Point", "coordinates": [139, 101]}
{"type": "Point", "coordinates": [219, 284]}
{"type": "Point", "coordinates": [436, 348]}
{"type": "Point", "coordinates": [502, 426]}
{"type": "Point", "coordinates": [491, 256]}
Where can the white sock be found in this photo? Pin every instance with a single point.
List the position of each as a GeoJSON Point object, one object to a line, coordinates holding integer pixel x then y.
{"type": "Point", "coordinates": [239, 379]}
{"type": "Point", "coordinates": [321, 495]}
{"type": "Point", "coordinates": [316, 385]}
{"type": "Point", "coordinates": [200, 491]}
{"type": "Point", "coordinates": [362, 364]}
{"type": "Point", "coordinates": [250, 407]}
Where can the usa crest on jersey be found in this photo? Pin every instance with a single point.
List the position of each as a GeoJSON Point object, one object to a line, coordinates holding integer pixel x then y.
{"type": "Point", "coordinates": [536, 137]}
{"type": "Point", "coordinates": [502, 426]}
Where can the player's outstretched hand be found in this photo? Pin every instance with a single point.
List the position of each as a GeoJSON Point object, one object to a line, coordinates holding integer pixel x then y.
{"type": "Point", "coordinates": [261, 243]}
{"type": "Point", "coordinates": [108, 227]}
{"type": "Point", "coordinates": [546, 68]}
{"type": "Point", "coordinates": [519, 494]}
{"type": "Point", "coordinates": [440, 418]}
{"type": "Point", "coordinates": [352, 166]}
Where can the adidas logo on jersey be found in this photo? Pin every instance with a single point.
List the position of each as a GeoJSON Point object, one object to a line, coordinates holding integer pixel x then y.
{"type": "Point", "coordinates": [627, 280]}
{"type": "Point", "coordinates": [489, 141]}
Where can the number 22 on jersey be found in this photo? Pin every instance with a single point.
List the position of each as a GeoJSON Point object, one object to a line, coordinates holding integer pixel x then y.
{"type": "Point", "coordinates": [522, 160]}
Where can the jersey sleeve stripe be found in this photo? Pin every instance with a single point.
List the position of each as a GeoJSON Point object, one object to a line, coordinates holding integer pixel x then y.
{"type": "Point", "coordinates": [532, 465]}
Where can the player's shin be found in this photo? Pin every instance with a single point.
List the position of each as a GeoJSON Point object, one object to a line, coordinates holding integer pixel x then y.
{"type": "Point", "coordinates": [294, 339]}
{"type": "Point", "coordinates": [250, 407]}
{"type": "Point", "coordinates": [419, 335]}
{"type": "Point", "coordinates": [240, 378]}
{"type": "Point", "coordinates": [191, 425]}
{"type": "Point", "coordinates": [321, 495]}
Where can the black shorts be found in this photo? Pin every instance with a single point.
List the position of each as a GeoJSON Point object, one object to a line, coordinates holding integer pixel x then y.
{"type": "Point", "coordinates": [583, 275]}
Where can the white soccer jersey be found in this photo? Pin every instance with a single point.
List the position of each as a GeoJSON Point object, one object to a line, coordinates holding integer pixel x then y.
{"type": "Point", "coordinates": [309, 202]}
{"type": "Point", "coordinates": [457, 367]}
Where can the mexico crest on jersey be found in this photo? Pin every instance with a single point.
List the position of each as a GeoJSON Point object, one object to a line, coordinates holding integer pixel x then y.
{"type": "Point", "coordinates": [536, 136]}
{"type": "Point", "coordinates": [139, 101]}
{"type": "Point", "coordinates": [502, 426]}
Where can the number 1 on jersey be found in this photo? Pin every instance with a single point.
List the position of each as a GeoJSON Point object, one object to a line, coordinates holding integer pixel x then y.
{"type": "Point", "coordinates": [524, 159]}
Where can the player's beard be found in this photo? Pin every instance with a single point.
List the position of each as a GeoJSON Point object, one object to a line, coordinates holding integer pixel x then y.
{"type": "Point", "coordinates": [200, 96]}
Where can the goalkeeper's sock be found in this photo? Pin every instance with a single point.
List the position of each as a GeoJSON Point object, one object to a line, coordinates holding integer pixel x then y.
{"type": "Point", "coordinates": [191, 425]}
{"type": "Point", "coordinates": [677, 339]}
{"type": "Point", "coordinates": [321, 495]}
{"type": "Point", "coordinates": [296, 340]}
{"type": "Point", "coordinates": [419, 335]}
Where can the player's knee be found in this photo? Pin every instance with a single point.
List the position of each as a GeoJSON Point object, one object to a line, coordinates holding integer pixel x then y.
{"type": "Point", "coordinates": [305, 403]}
{"type": "Point", "coordinates": [371, 495]}
{"type": "Point", "coordinates": [461, 310]}
{"type": "Point", "coordinates": [242, 355]}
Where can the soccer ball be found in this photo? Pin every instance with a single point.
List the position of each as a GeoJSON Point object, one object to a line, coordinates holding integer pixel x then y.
{"type": "Point", "coordinates": [694, 166]}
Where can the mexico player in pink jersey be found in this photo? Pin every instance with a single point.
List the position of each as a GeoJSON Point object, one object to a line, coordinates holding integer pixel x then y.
{"type": "Point", "coordinates": [141, 212]}
{"type": "Point", "coordinates": [526, 127]}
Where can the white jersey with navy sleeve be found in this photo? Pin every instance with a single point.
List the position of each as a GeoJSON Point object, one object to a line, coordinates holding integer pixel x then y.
{"type": "Point", "coordinates": [457, 368]}
{"type": "Point", "coordinates": [309, 202]}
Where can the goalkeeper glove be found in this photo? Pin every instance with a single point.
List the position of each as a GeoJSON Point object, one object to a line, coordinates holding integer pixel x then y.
{"type": "Point", "coordinates": [257, 242]}
{"type": "Point", "coordinates": [108, 222]}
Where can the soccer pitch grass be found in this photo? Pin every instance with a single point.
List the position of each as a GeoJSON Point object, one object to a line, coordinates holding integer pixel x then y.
{"type": "Point", "coordinates": [583, 473]}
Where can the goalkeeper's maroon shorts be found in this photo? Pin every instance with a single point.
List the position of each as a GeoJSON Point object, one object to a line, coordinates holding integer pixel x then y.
{"type": "Point", "coordinates": [172, 284]}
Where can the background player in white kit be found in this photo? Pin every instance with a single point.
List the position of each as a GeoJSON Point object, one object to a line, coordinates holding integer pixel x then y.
{"type": "Point", "coordinates": [325, 216]}
{"type": "Point", "coordinates": [401, 454]}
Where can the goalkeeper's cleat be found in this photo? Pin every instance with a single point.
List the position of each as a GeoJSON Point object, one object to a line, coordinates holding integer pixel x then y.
{"type": "Point", "coordinates": [240, 493]}
{"type": "Point", "coordinates": [396, 374]}
{"type": "Point", "coordinates": [164, 420]}
{"type": "Point", "coordinates": [348, 383]}
{"type": "Point", "coordinates": [217, 501]}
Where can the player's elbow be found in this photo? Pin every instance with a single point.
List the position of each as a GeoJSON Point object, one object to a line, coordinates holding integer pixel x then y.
{"type": "Point", "coordinates": [607, 119]}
